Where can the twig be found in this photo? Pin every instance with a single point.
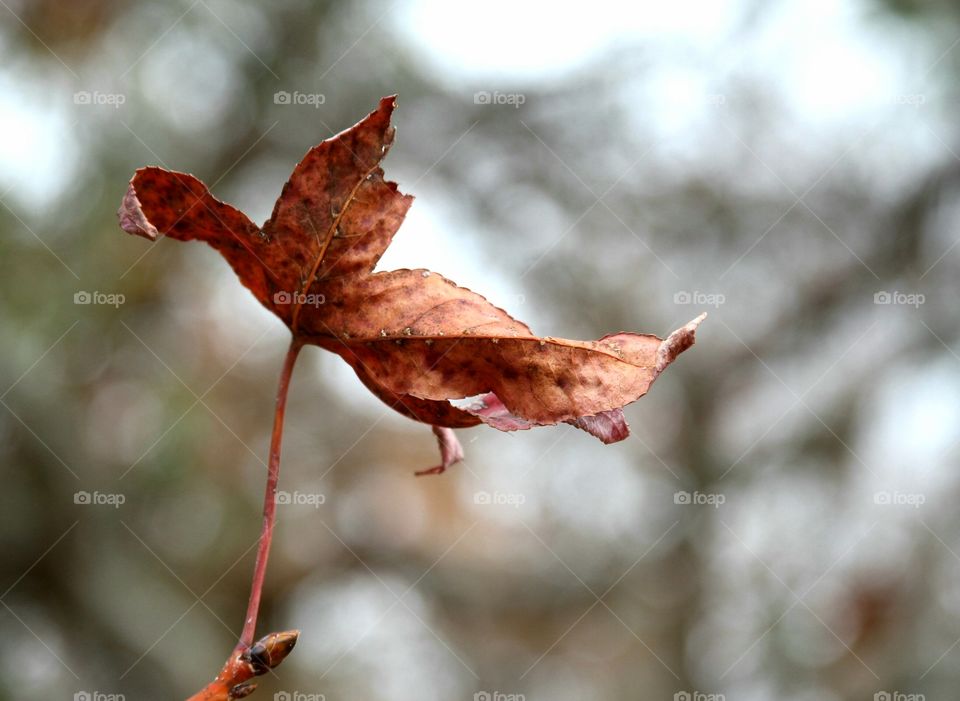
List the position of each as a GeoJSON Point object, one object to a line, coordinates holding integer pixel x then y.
{"type": "Point", "coordinates": [250, 660]}
{"type": "Point", "coordinates": [269, 496]}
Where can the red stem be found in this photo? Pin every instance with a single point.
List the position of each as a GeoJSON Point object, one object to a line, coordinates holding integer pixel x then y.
{"type": "Point", "coordinates": [269, 497]}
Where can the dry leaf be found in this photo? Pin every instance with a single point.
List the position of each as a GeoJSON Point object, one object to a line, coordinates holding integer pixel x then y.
{"type": "Point", "coordinates": [414, 338]}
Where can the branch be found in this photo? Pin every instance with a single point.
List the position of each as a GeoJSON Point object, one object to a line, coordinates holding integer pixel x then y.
{"type": "Point", "coordinates": [250, 660]}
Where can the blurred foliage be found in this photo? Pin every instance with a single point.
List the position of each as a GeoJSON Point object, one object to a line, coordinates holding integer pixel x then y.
{"type": "Point", "coordinates": [803, 403]}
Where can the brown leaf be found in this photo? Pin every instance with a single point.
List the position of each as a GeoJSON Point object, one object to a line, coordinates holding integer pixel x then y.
{"type": "Point", "coordinates": [414, 338]}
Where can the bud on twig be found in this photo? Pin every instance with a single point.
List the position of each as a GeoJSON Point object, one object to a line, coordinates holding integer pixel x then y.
{"type": "Point", "coordinates": [233, 682]}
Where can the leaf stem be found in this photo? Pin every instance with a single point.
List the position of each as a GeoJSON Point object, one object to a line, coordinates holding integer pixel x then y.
{"type": "Point", "coordinates": [270, 496]}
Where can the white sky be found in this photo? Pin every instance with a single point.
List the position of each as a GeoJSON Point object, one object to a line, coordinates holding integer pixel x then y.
{"type": "Point", "coordinates": [820, 53]}
{"type": "Point", "coordinates": [537, 39]}
{"type": "Point", "coordinates": [823, 58]}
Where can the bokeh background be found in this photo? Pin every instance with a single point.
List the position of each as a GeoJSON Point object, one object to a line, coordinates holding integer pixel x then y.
{"type": "Point", "coordinates": [782, 523]}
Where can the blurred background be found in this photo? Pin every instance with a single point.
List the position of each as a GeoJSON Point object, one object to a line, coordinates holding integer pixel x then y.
{"type": "Point", "coordinates": [782, 522]}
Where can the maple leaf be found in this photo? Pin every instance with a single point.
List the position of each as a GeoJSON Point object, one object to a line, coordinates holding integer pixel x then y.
{"type": "Point", "coordinates": [416, 340]}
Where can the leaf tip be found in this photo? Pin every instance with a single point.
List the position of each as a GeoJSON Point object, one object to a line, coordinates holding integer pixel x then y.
{"type": "Point", "coordinates": [131, 216]}
{"type": "Point", "coordinates": [677, 342]}
{"type": "Point", "coordinates": [386, 106]}
{"type": "Point", "coordinates": [451, 452]}
{"type": "Point", "coordinates": [609, 426]}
